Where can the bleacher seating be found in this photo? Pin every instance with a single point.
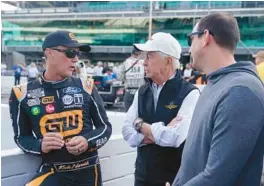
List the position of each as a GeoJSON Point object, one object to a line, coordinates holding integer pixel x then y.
{"type": "Point", "coordinates": [126, 31]}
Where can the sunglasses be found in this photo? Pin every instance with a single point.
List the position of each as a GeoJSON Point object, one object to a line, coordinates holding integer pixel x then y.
{"type": "Point", "coordinates": [69, 52]}
{"type": "Point", "coordinates": [199, 33]}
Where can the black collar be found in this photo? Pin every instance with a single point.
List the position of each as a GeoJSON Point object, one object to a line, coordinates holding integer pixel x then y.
{"type": "Point", "coordinates": [54, 84]}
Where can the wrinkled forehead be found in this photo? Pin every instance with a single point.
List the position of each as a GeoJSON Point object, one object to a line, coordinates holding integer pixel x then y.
{"type": "Point", "coordinates": [195, 28]}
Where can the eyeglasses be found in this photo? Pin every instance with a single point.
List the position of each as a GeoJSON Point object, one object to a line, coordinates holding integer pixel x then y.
{"type": "Point", "coordinates": [69, 52]}
{"type": "Point", "coordinates": [199, 33]}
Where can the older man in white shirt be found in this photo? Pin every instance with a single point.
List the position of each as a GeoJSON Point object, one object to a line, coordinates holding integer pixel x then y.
{"type": "Point", "coordinates": [158, 121]}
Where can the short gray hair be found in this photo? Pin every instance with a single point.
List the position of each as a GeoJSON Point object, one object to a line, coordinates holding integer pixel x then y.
{"type": "Point", "coordinates": [176, 62]}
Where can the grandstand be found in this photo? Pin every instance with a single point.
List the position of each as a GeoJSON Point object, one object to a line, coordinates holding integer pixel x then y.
{"type": "Point", "coordinates": [112, 27]}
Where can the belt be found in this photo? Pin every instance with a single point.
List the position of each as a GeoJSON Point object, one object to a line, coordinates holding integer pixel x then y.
{"type": "Point", "coordinates": [77, 165]}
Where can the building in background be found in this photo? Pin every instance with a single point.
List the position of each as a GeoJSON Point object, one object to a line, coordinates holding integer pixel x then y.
{"type": "Point", "coordinates": [111, 27]}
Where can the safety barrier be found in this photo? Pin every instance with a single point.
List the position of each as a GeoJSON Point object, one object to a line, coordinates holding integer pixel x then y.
{"type": "Point", "coordinates": [116, 157]}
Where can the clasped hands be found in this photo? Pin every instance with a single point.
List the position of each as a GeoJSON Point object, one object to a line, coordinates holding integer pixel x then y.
{"type": "Point", "coordinates": [54, 141]}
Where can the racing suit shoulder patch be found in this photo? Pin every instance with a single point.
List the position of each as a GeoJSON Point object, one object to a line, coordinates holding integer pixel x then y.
{"type": "Point", "coordinates": [20, 91]}
{"type": "Point", "coordinates": [88, 85]}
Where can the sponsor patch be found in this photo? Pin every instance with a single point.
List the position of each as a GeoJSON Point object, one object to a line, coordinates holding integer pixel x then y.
{"type": "Point", "coordinates": [78, 99]}
{"type": "Point", "coordinates": [73, 106]}
{"type": "Point", "coordinates": [50, 108]}
{"type": "Point", "coordinates": [72, 90]}
{"type": "Point", "coordinates": [65, 167]}
{"type": "Point", "coordinates": [36, 93]}
{"type": "Point", "coordinates": [73, 166]}
{"type": "Point", "coordinates": [35, 110]}
{"type": "Point", "coordinates": [19, 91]}
{"type": "Point", "coordinates": [72, 36]}
{"type": "Point", "coordinates": [67, 99]}
{"type": "Point", "coordinates": [48, 99]}
{"type": "Point", "coordinates": [67, 123]}
{"type": "Point", "coordinates": [101, 141]}
{"type": "Point", "coordinates": [33, 102]}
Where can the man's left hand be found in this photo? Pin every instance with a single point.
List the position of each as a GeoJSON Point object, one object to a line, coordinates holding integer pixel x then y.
{"type": "Point", "coordinates": [77, 145]}
{"type": "Point", "coordinates": [146, 140]}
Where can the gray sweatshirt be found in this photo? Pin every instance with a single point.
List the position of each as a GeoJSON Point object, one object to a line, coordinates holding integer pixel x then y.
{"type": "Point", "coordinates": [225, 143]}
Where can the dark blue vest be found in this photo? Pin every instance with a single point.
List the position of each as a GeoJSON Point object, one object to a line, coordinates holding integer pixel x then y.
{"type": "Point", "coordinates": [154, 163]}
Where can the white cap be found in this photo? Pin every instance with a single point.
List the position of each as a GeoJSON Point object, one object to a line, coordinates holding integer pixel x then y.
{"type": "Point", "coordinates": [162, 42]}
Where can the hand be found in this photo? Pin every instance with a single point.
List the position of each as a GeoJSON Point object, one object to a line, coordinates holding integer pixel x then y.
{"type": "Point", "coordinates": [175, 121]}
{"type": "Point", "coordinates": [77, 145]}
{"type": "Point", "coordinates": [167, 184]}
{"type": "Point", "coordinates": [51, 141]}
{"type": "Point", "coordinates": [146, 140]}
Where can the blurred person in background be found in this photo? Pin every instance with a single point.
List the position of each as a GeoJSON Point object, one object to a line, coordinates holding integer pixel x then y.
{"type": "Point", "coordinates": [98, 69]}
{"type": "Point", "coordinates": [89, 68]}
{"type": "Point", "coordinates": [18, 69]}
{"type": "Point", "coordinates": [105, 67]}
{"type": "Point", "coordinates": [191, 75]}
{"type": "Point", "coordinates": [259, 61]}
{"type": "Point", "coordinates": [32, 72]}
{"type": "Point", "coordinates": [117, 70]}
{"type": "Point", "coordinates": [132, 74]}
{"type": "Point", "coordinates": [187, 73]}
{"type": "Point", "coordinates": [109, 78]}
{"type": "Point", "coordinates": [3, 68]}
{"type": "Point", "coordinates": [80, 70]}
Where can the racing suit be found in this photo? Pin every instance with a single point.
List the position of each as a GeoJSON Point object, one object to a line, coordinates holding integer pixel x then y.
{"type": "Point", "coordinates": [71, 107]}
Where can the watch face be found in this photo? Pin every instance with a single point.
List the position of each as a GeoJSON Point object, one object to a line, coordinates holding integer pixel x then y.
{"type": "Point", "coordinates": [138, 125]}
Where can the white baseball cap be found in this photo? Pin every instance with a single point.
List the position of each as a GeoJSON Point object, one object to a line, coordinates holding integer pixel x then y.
{"type": "Point", "coordinates": [162, 42]}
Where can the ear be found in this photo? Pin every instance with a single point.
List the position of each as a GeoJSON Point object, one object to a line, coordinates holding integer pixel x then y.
{"type": "Point", "coordinates": [169, 61]}
{"type": "Point", "coordinates": [48, 53]}
{"type": "Point", "coordinates": [207, 38]}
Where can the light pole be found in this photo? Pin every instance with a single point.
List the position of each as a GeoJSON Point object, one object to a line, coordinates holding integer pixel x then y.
{"type": "Point", "coordinates": [150, 18]}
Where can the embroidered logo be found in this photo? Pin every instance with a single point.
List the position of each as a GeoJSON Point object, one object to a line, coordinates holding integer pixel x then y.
{"type": "Point", "coordinates": [35, 110]}
{"type": "Point", "coordinates": [48, 99]}
{"type": "Point", "coordinates": [171, 105]}
{"type": "Point", "coordinates": [67, 99]}
{"type": "Point", "coordinates": [71, 90]}
{"type": "Point", "coordinates": [33, 102]}
{"type": "Point", "coordinates": [50, 108]}
{"type": "Point", "coordinates": [72, 36]}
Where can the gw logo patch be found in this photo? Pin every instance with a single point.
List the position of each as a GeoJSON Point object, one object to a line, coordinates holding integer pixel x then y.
{"type": "Point", "coordinates": [48, 99]}
{"type": "Point", "coordinates": [67, 123]}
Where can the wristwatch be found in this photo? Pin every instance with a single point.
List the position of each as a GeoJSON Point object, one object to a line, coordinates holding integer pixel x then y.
{"type": "Point", "coordinates": [138, 124]}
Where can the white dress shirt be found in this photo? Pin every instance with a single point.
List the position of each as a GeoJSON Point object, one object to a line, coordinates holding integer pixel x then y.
{"type": "Point", "coordinates": [163, 135]}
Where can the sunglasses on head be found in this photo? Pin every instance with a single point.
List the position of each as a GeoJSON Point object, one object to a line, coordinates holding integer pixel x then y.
{"type": "Point", "coordinates": [69, 52]}
{"type": "Point", "coordinates": [199, 33]}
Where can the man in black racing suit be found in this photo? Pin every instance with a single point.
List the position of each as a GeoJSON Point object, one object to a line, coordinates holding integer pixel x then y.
{"type": "Point", "coordinates": [61, 118]}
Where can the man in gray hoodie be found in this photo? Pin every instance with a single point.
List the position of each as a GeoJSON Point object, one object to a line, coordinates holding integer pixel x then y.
{"type": "Point", "coordinates": [225, 142]}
